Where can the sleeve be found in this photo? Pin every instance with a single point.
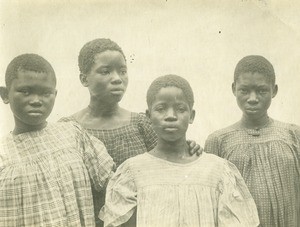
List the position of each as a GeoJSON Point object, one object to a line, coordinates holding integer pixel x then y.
{"type": "Point", "coordinates": [121, 198]}
{"type": "Point", "coordinates": [67, 119]}
{"type": "Point", "coordinates": [146, 130]}
{"type": "Point", "coordinates": [212, 145]}
{"type": "Point", "coordinates": [236, 205]}
{"type": "Point", "coordinates": [98, 162]}
{"type": "Point", "coordinates": [296, 130]}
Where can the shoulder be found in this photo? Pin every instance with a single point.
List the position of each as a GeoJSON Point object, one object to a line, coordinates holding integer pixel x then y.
{"type": "Point", "coordinates": [290, 128]}
{"type": "Point", "coordinates": [221, 133]}
{"type": "Point", "coordinates": [6, 144]}
{"type": "Point", "coordinates": [65, 128]}
{"type": "Point", "coordinates": [213, 159]}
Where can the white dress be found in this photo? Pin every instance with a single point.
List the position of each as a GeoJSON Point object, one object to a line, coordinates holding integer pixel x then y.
{"type": "Point", "coordinates": [206, 192]}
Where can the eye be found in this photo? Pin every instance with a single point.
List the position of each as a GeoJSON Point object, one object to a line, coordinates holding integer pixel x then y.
{"type": "Point", "coordinates": [243, 90]}
{"type": "Point", "coordinates": [47, 93]}
{"type": "Point", "coordinates": [159, 109]}
{"type": "Point", "coordinates": [104, 72]}
{"type": "Point", "coordinates": [181, 109]}
{"type": "Point", "coordinates": [262, 91]}
{"type": "Point", "coordinates": [25, 92]}
{"type": "Point", "coordinates": [123, 72]}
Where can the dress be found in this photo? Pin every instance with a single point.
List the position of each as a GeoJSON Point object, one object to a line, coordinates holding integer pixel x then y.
{"type": "Point", "coordinates": [206, 192]}
{"type": "Point", "coordinates": [46, 176]}
{"type": "Point", "coordinates": [122, 143]}
{"type": "Point", "coordinates": [268, 159]}
{"type": "Point", "coordinates": [126, 141]}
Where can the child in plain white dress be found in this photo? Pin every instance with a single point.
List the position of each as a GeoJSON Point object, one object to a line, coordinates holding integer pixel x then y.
{"type": "Point", "coordinates": [168, 187]}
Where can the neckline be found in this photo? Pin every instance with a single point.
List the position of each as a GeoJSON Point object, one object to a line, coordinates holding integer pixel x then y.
{"type": "Point", "coordinates": [173, 163]}
{"type": "Point", "coordinates": [132, 115]}
{"type": "Point", "coordinates": [255, 131]}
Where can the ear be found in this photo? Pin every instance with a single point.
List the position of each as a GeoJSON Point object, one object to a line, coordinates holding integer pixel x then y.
{"type": "Point", "coordinates": [192, 116]}
{"type": "Point", "coordinates": [4, 94]}
{"type": "Point", "coordinates": [233, 88]}
{"type": "Point", "coordinates": [148, 113]}
{"type": "Point", "coordinates": [275, 90]}
{"type": "Point", "coordinates": [55, 93]}
{"type": "Point", "coordinates": [83, 79]}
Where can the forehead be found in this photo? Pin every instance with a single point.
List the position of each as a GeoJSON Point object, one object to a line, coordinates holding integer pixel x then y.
{"type": "Point", "coordinates": [31, 78]}
{"type": "Point", "coordinates": [249, 78]}
{"type": "Point", "coordinates": [170, 93]}
{"type": "Point", "coordinates": [108, 57]}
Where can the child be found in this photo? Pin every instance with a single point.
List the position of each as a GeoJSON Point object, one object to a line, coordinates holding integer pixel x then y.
{"type": "Point", "coordinates": [167, 186]}
{"type": "Point", "coordinates": [265, 151]}
{"type": "Point", "coordinates": [125, 134]}
{"type": "Point", "coordinates": [45, 169]}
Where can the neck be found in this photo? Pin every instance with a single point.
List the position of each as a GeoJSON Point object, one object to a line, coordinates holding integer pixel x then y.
{"type": "Point", "coordinates": [22, 128]}
{"type": "Point", "coordinates": [97, 108]}
{"type": "Point", "coordinates": [172, 151]}
{"type": "Point", "coordinates": [255, 123]}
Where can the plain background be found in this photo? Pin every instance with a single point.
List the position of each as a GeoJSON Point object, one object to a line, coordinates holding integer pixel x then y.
{"type": "Point", "coordinates": [199, 40]}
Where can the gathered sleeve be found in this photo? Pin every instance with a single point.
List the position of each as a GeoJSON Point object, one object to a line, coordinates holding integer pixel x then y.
{"type": "Point", "coordinates": [236, 205]}
{"type": "Point", "coordinates": [146, 130]}
{"type": "Point", "coordinates": [121, 198]}
{"type": "Point", "coordinates": [212, 145]}
{"type": "Point", "coordinates": [98, 162]}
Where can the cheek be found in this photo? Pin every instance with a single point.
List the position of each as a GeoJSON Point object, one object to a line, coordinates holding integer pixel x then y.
{"type": "Point", "coordinates": [125, 81]}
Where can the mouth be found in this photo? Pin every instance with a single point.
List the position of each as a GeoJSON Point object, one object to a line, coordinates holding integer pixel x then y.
{"type": "Point", "coordinates": [35, 113]}
{"type": "Point", "coordinates": [170, 128]}
{"type": "Point", "coordinates": [117, 91]}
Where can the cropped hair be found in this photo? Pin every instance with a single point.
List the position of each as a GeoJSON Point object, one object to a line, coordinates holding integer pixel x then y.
{"type": "Point", "coordinates": [86, 57]}
{"type": "Point", "coordinates": [255, 64]}
{"type": "Point", "coordinates": [170, 81]}
{"type": "Point", "coordinates": [27, 62]}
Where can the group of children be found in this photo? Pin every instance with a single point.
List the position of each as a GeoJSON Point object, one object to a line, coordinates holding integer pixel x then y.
{"type": "Point", "coordinates": [58, 174]}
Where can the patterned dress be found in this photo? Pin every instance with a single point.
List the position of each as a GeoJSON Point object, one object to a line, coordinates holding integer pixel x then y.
{"type": "Point", "coordinates": [207, 192]}
{"type": "Point", "coordinates": [46, 176]}
{"type": "Point", "coordinates": [122, 143]}
{"type": "Point", "coordinates": [269, 161]}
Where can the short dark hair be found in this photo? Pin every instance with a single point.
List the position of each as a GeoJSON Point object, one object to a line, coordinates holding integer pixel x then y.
{"type": "Point", "coordinates": [87, 53]}
{"type": "Point", "coordinates": [255, 64]}
{"type": "Point", "coordinates": [170, 81]}
{"type": "Point", "coordinates": [27, 62]}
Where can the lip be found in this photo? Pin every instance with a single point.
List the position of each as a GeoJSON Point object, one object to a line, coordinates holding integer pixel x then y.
{"type": "Point", "coordinates": [252, 109]}
{"type": "Point", "coordinates": [170, 128]}
{"type": "Point", "coordinates": [35, 113]}
{"type": "Point", "coordinates": [117, 91]}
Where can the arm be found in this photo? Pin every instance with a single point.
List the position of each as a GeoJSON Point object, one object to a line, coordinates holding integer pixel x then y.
{"type": "Point", "coordinates": [236, 206]}
{"type": "Point", "coordinates": [98, 162]}
{"type": "Point", "coordinates": [121, 199]}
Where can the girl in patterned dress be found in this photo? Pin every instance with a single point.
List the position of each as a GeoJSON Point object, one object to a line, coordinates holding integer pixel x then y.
{"type": "Point", "coordinates": [266, 151]}
{"type": "Point", "coordinates": [125, 134]}
{"type": "Point", "coordinates": [46, 170]}
{"type": "Point", "coordinates": [168, 187]}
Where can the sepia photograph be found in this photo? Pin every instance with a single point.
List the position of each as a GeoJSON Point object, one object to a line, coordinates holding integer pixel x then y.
{"type": "Point", "coordinates": [150, 113]}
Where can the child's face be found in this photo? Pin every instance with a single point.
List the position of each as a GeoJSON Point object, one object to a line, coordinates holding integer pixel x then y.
{"type": "Point", "coordinates": [254, 93]}
{"type": "Point", "coordinates": [107, 79]}
{"type": "Point", "coordinates": [31, 98]}
{"type": "Point", "coordinates": [170, 114]}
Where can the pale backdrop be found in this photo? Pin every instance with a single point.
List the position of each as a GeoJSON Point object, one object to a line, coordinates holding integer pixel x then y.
{"type": "Point", "coordinates": [199, 40]}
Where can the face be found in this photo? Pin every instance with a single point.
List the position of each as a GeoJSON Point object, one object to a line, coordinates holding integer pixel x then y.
{"type": "Point", "coordinates": [170, 114]}
{"type": "Point", "coordinates": [107, 80]}
{"type": "Point", "coordinates": [31, 98]}
{"type": "Point", "coordinates": [254, 93]}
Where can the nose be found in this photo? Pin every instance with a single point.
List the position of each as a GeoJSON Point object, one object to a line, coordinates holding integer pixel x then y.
{"type": "Point", "coordinates": [252, 98]}
{"type": "Point", "coordinates": [116, 79]}
{"type": "Point", "coordinates": [35, 100]}
{"type": "Point", "coordinates": [170, 115]}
